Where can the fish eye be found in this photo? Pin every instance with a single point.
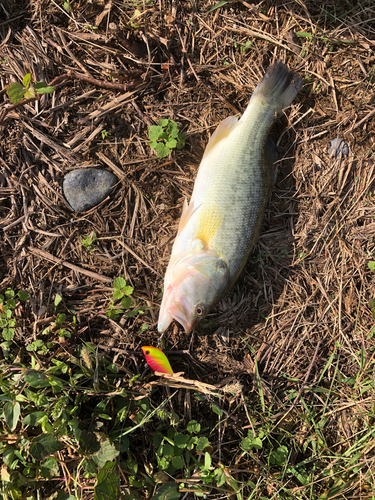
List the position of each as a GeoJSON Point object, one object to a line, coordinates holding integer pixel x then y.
{"type": "Point", "coordinates": [200, 310]}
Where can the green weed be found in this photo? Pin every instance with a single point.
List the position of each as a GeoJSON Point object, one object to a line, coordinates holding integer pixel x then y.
{"type": "Point", "coordinates": [88, 242]}
{"type": "Point", "coordinates": [123, 293]}
{"type": "Point", "coordinates": [310, 36]}
{"type": "Point", "coordinates": [81, 418]}
{"type": "Point", "coordinates": [243, 47]}
{"type": "Point", "coordinates": [39, 347]}
{"type": "Point", "coordinates": [26, 90]}
{"type": "Point", "coordinates": [218, 5]}
{"type": "Point", "coordinates": [164, 137]}
{"type": "Point", "coordinates": [60, 325]}
{"type": "Point", "coordinates": [104, 133]}
{"type": "Point", "coordinates": [132, 21]}
{"type": "Point", "coordinates": [8, 302]}
{"type": "Point", "coordinates": [75, 412]}
{"type": "Point", "coordinates": [42, 412]}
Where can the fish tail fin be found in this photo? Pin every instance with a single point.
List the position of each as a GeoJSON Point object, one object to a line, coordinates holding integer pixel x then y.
{"type": "Point", "coordinates": [279, 85]}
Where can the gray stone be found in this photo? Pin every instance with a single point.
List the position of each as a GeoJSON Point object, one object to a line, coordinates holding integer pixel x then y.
{"type": "Point", "coordinates": [338, 146]}
{"type": "Point", "coordinates": [86, 187]}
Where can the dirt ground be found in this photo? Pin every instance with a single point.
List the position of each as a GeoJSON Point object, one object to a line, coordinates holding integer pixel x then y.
{"type": "Point", "coordinates": [119, 67]}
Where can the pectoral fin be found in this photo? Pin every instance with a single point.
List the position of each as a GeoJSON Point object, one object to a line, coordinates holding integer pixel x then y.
{"type": "Point", "coordinates": [208, 223]}
{"type": "Point", "coordinates": [222, 132]}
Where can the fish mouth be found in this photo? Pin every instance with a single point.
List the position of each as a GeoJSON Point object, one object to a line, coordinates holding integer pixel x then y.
{"type": "Point", "coordinates": [175, 310]}
{"type": "Point", "coordinates": [164, 321]}
{"type": "Point", "coordinates": [178, 312]}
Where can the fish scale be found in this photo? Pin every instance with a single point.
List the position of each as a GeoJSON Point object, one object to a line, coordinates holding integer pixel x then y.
{"type": "Point", "coordinates": [219, 227]}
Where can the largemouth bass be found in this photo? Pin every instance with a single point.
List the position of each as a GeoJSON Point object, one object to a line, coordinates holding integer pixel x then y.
{"type": "Point", "coordinates": [220, 226]}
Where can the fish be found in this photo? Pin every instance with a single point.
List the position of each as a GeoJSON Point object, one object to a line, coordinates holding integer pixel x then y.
{"type": "Point", "coordinates": [221, 224]}
{"type": "Point", "coordinates": [157, 360]}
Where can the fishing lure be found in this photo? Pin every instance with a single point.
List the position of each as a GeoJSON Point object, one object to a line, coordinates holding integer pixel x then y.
{"type": "Point", "coordinates": [157, 360]}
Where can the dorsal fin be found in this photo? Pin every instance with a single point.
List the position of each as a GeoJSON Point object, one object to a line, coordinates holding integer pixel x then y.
{"type": "Point", "coordinates": [222, 131]}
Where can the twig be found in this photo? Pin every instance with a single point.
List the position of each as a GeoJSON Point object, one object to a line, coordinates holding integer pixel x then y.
{"type": "Point", "coordinates": [47, 256]}
{"type": "Point", "coordinates": [142, 115]}
{"type": "Point", "coordinates": [128, 249]}
{"type": "Point", "coordinates": [5, 111]}
{"type": "Point", "coordinates": [284, 413]}
{"type": "Point", "coordinates": [183, 54]}
{"type": "Point", "coordinates": [176, 381]}
{"type": "Point", "coordinates": [307, 374]}
{"type": "Point", "coordinates": [217, 93]}
{"type": "Point", "coordinates": [73, 75]}
{"type": "Point", "coordinates": [369, 115]}
{"type": "Point", "coordinates": [66, 47]}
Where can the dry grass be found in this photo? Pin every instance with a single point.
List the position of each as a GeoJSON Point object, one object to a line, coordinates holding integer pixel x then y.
{"type": "Point", "coordinates": [301, 307]}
